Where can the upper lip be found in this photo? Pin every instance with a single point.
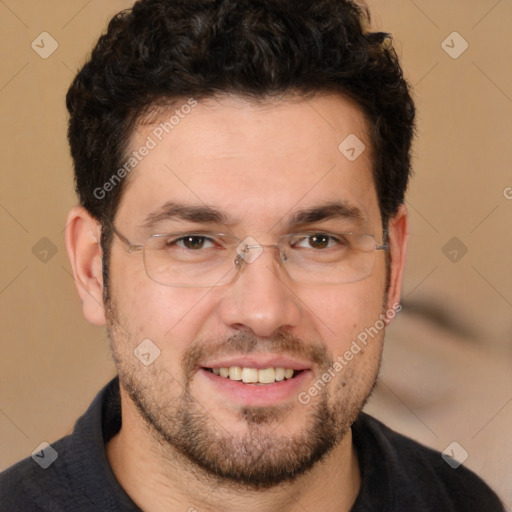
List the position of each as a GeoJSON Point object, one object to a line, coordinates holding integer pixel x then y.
{"type": "Point", "coordinates": [259, 362]}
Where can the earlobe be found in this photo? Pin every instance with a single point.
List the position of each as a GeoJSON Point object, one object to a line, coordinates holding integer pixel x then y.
{"type": "Point", "coordinates": [83, 236]}
{"type": "Point", "coordinates": [398, 241]}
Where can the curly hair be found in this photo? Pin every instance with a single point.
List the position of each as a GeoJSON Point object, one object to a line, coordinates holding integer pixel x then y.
{"type": "Point", "coordinates": [161, 51]}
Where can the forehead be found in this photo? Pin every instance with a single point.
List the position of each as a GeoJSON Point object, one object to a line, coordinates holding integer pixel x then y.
{"type": "Point", "coordinates": [256, 161]}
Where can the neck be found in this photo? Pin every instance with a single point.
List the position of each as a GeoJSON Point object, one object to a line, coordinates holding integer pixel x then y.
{"type": "Point", "coordinates": [158, 479]}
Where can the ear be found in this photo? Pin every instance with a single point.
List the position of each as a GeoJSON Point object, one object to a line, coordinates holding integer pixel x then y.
{"type": "Point", "coordinates": [83, 236]}
{"type": "Point", "coordinates": [398, 241]}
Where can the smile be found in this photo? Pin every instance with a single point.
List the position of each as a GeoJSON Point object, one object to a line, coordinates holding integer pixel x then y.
{"type": "Point", "coordinates": [254, 375]}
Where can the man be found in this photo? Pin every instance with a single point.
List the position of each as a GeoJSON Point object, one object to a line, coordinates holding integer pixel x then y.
{"type": "Point", "coordinates": [241, 167]}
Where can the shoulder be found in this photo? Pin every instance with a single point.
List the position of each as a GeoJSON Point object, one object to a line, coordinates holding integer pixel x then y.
{"type": "Point", "coordinates": [32, 483]}
{"type": "Point", "coordinates": [72, 473]}
{"type": "Point", "coordinates": [418, 476]}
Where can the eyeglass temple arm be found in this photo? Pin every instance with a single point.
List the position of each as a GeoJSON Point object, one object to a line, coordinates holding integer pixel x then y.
{"type": "Point", "coordinates": [128, 245]}
{"type": "Point", "coordinates": [384, 246]}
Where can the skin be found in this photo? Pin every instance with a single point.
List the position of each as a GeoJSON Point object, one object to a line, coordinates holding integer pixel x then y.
{"type": "Point", "coordinates": [259, 163]}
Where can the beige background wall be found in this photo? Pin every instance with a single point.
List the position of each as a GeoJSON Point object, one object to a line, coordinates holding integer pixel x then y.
{"type": "Point", "coordinates": [446, 374]}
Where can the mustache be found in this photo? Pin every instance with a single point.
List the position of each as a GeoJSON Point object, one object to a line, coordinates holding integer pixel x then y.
{"type": "Point", "coordinates": [244, 342]}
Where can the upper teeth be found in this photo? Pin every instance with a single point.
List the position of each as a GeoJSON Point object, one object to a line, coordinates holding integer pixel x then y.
{"type": "Point", "coordinates": [253, 375]}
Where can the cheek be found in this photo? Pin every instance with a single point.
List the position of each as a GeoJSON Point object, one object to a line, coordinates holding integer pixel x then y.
{"type": "Point", "coordinates": [354, 313]}
{"type": "Point", "coordinates": [342, 313]}
{"type": "Point", "coordinates": [147, 309]}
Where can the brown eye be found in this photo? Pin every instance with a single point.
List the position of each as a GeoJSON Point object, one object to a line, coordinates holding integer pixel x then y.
{"type": "Point", "coordinates": [319, 241]}
{"type": "Point", "coordinates": [192, 242]}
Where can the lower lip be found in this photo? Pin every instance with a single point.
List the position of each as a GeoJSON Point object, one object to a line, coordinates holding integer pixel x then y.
{"type": "Point", "coordinates": [256, 394]}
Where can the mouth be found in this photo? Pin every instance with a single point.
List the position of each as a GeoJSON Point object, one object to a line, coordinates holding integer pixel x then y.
{"type": "Point", "coordinates": [256, 380]}
{"type": "Point", "coordinates": [255, 376]}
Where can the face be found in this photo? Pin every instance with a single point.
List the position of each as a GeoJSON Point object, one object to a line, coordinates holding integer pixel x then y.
{"type": "Point", "coordinates": [256, 167]}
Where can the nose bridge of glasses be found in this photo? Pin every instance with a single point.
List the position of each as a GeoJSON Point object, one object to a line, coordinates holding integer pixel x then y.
{"type": "Point", "coordinates": [250, 250]}
{"type": "Point", "coordinates": [249, 257]}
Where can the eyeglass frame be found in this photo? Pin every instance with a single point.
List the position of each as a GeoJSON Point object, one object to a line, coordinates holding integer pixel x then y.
{"type": "Point", "coordinates": [132, 248]}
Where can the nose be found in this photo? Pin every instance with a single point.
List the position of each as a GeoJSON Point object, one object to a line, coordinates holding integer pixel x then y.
{"type": "Point", "coordinates": [261, 298]}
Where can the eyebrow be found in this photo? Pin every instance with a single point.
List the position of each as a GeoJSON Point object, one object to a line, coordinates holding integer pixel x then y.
{"type": "Point", "coordinates": [199, 214]}
{"type": "Point", "coordinates": [331, 210]}
{"type": "Point", "coordinates": [205, 214]}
